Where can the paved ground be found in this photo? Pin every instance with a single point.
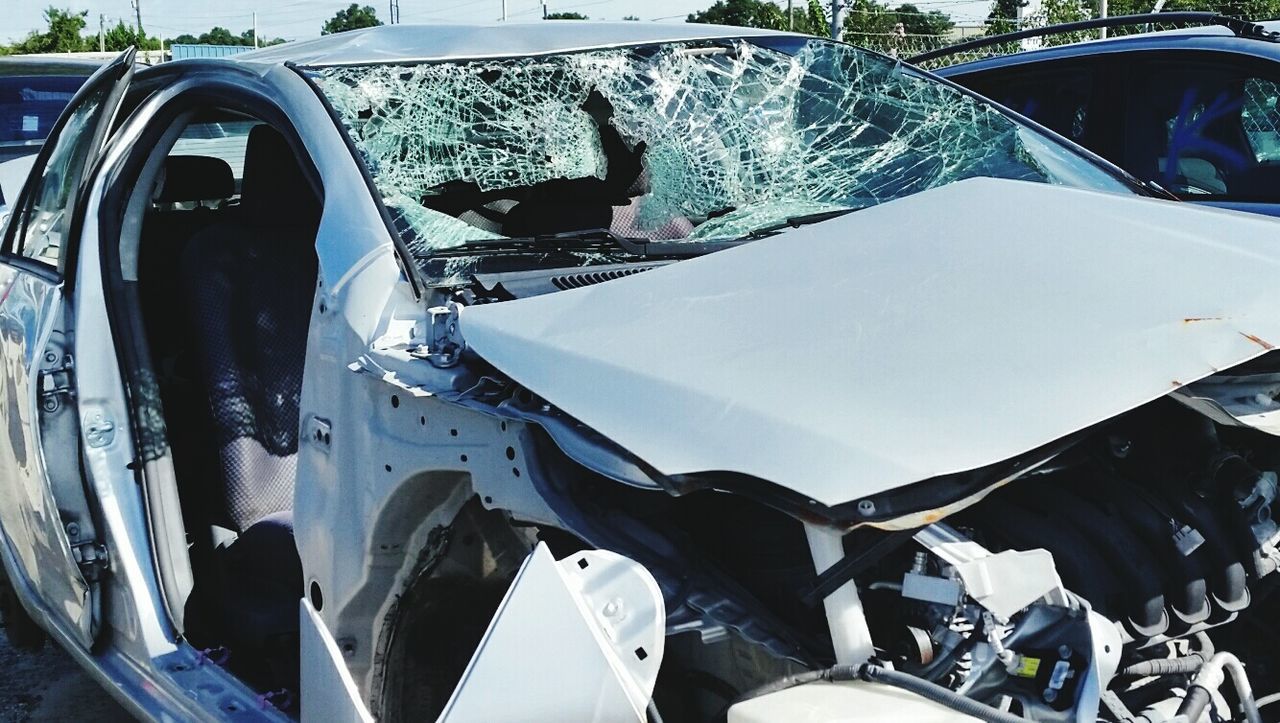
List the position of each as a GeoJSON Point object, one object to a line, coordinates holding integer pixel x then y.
{"type": "Point", "coordinates": [48, 686]}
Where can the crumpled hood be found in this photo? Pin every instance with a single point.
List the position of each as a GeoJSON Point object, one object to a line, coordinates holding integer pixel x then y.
{"type": "Point", "coordinates": [938, 333]}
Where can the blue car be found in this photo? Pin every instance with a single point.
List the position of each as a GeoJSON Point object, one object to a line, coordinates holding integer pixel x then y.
{"type": "Point", "coordinates": [1193, 109]}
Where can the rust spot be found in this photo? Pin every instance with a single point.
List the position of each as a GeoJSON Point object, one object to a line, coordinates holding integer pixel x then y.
{"type": "Point", "coordinates": [1191, 319]}
{"type": "Point", "coordinates": [1176, 383]}
{"type": "Point", "coordinates": [1260, 342]}
{"type": "Point", "coordinates": [932, 516]}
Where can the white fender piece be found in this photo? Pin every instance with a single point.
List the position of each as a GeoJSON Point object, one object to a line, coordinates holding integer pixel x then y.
{"type": "Point", "coordinates": [328, 692]}
{"type": "Point", "coordinates": [580, 640]}
{"type": "Point", "coordinates": [845, 701]}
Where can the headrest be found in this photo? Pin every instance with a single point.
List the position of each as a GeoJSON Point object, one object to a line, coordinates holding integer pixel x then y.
{"type": "Point", "coordinates": [195, 178]}
{"type": "Point", "coordinates": [274, 188]}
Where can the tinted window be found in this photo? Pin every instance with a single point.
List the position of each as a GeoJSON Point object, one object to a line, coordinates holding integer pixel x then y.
{"type": "Point", "coordinates": [1057, 96]}
{"type": "Point", "coordinates": [42, 229]}
{"type": "Point", "coordinates": [30, 104]}
{"type": "Point", "coordinates": [1203, 129]}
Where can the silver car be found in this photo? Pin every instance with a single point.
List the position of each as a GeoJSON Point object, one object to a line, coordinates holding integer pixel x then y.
{"type": "Point", "coordinates": [610, 372]}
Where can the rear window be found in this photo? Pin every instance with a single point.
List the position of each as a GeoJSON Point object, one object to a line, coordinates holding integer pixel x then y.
{"type": "Point", "coordinates": [30, 104]}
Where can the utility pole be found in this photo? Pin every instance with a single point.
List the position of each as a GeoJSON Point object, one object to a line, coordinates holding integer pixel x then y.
{"type": "Point", "coordinates": [837, 18]}
{"type": "Point", "coordinates": [393, 12]}
{"type": "Point", "coordinates": [791, 18]}
{"type": "Point", "coordinates": [544, 9]}
{"type": "Point", "coordinates": [504, 11]}
{"type": "Point", "coordinates": [102, 38]}
{"type": "Point", "coordinates": [255, 28]}
{"type": "Point", "coordinates": [1102, 13]}
{"type": "Point", "coordinates": [137, 8]}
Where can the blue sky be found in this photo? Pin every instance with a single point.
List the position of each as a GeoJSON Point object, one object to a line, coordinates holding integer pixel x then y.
{"type": "Point", "coordinates": [296, 19]}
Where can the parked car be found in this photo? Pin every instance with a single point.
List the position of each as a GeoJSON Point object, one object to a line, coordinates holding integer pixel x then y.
{"type": "Point", "coordinates": [1192, 109]}
{"type": "Point", "coordinates": [33, 92]}
{"type": "Point", "coordinates": [613, 371]}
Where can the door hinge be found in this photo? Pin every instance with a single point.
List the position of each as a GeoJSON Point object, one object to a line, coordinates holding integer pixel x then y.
{"type": "Point", "coordinates": [56, 382]}
{"type": "Point", "coordinates": [91, 557]}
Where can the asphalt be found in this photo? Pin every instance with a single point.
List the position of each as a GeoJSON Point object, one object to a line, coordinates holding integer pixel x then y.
{"type": "Point", "coordinates": [48, 686]}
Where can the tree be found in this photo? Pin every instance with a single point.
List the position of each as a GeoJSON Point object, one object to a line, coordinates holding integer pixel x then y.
{"type": "Point", "coordinates": [915, 22]}
{"type": "Point", "coordinates": [742, 13]}
{"type": "Point", "coordinates": [565, 16]}
{"type": "Point", "coordinates": [63, 35]}
{"type": "Point", "coordinates": [352, 18]}
{"type": "Point", "coordinates": [121, 37]}
{"type": "Point", "coordinates": [222, 36]}
{"type": "Point", "coordinates": [1003, 17]}
{"type": "Point", "coordinates": [630, 17]}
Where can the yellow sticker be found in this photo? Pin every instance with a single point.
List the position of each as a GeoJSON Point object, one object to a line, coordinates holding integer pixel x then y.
{"type": "Point", "coordinates": [1027, 667]}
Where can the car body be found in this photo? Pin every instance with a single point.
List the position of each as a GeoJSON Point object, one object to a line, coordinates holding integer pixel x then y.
{"type": "Point", "coordinates": [1192, 109]}
{"type": "Point", "coordinates": [604, 371]}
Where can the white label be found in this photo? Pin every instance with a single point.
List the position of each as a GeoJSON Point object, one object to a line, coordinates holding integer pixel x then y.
{"type": "Point", "coordinates": [30, 123]}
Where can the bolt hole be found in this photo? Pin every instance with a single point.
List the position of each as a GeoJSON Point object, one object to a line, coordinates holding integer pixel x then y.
{"type": "Point", "coordinates": [453, 432]}
{"type": "Point", "coordinates": [326, 437]}
{"type": "Point", "coordinates": [323, 308]}
{"type": "Point", "coordinates": [317, 597]}
{"type": "Point", "coordinates": [395, 401]}
{"type": "Point", "coordinates": [641, 654]}
{"type": "Point", "coordinates": [422, 421]}
{"type": "Point", "coordinates": [515, 471]}
{"type": "Point", "coordinates": [387, 467]}
{"type": "Point", "coordinates": [504, 426]}
{"type": "Point", "coordinates": [582, 563]}
{"type": "Point", "coordinates": [511, 453]}
{"type": "Point", "coordinates": [488, 500]}
{"type": "Point", "coordinates": [463, 458]}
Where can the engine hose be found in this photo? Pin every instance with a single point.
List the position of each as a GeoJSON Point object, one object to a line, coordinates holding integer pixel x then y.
{"type": "Point", "coordinates": [1210, 678]}
{"type": "Point", "coordinates": [937, 694]}
{"type": "Point", "coordinates": [878, 674]}
{"type": "Point", "coordinates": [1172, 666]}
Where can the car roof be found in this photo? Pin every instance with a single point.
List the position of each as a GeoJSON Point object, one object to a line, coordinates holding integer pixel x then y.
{"type": "Point", "coordinates": [410, 43]}
{"type": "Point", "coordinates": [35, 65]}
{"type": "Point", "coordinates": [1206, 37]}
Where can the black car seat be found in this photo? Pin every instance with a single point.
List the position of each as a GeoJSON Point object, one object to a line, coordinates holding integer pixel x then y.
{"type": "Point", "coordinates": [249, 282]}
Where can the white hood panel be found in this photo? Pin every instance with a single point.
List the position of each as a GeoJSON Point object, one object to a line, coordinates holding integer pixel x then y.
{"type": "Point", "coordinates": [938, 333]}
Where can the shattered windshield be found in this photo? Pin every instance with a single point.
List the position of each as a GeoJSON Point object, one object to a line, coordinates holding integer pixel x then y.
{"type": "Point", "coordinates": [683, 142]}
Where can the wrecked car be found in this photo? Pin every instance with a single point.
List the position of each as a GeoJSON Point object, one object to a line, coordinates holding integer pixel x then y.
{"type": "Point", "coordinates": [613, 372]}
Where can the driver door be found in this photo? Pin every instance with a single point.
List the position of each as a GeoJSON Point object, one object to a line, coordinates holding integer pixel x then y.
{"type": "Point", "coordinates": [53, 552]}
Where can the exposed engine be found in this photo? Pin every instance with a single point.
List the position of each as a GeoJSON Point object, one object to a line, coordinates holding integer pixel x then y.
{"type": "Point", "coordinates": [1126, 579]}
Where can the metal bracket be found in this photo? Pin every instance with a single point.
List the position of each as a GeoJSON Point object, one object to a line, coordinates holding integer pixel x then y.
{"type": "Point", "coordinates": [444, 345]}
{"type": "Point", "coordinates": [91, 557]}
{"type": "Point", "coordinates": [57, 382]}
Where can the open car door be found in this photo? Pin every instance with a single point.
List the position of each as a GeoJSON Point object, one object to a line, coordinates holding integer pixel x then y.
{"type": "Point", "coordinates": [52, 549]}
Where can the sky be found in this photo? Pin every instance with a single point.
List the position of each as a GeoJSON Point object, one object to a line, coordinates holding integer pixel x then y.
{"type": "Point", "coordinates": [299, 19]}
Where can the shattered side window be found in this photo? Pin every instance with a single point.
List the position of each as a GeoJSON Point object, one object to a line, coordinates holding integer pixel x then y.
{"type": "Point", "coordinates": [689, 141]}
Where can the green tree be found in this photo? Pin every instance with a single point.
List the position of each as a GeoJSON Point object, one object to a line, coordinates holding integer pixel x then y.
{"type": "Point", "coordinates": [63, 35]}
{"type": "Point", "coordinates": [742, 13]}
{"type": "Point", "coordinates": [916, 22]}
{"type": "Point", "coordinates": [353, 17]}
{"type": "Point", "coordinates": [1003, 17]}
{"type": "Point", "coordinates": [630, 17]}
{"type": "Point", "coordinates": [121, 37]}
{"type": "Point", "coordinates": [565, 16]}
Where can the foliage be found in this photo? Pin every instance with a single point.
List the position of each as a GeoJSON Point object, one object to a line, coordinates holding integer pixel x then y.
{"type": "Point", "coordinates": [810, 17]}
{"type": "Point", "coordinates": [122, 37]}
{"type": "Point", "coordinates": [630, 17]}
{"type": "Point", "coordinates": [353, 17]}
{"type": "Point", "coordinates": [221, 36]}
{"type": "Point", "coordinates": [63, 35]}
{"type": "Point", "coordinates": [565, 16]}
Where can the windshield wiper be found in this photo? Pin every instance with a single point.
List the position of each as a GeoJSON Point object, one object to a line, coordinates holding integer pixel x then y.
{"type": "Point", "coordinates": [596, 240]}
{"type": "Point", "coordinates": [798, 221]}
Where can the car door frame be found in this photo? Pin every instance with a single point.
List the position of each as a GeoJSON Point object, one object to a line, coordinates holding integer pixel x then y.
{"type": "Point", "coordinates": [53, 553]}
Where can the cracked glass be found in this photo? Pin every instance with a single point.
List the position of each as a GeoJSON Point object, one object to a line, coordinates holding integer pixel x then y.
{"type": "Point", "coordinates": [676, 142]}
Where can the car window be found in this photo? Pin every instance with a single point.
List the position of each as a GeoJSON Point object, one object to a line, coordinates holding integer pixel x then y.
{"type": "Point", "coordinates": [29, 105]}
{"type": "Point", "coordinates": [1261, 118]}
{"type": "Point", "coordinates": [1203, 129]}
{"type": "Point", "coordinates": [1057, 96]}
{"type": "Point", "coordinates": [224, 139]}
{"type": "Point", "coordinates": [43, 226]}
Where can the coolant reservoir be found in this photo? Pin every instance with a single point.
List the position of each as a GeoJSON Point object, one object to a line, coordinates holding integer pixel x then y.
{"type": "Point", "coordinates": [845, 701]}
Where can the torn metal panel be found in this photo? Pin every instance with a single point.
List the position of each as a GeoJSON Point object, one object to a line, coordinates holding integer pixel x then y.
{"type": "Point", "coordinates": [581, 639]}
{"type": "Point", "coordinates": [1050, 320]}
